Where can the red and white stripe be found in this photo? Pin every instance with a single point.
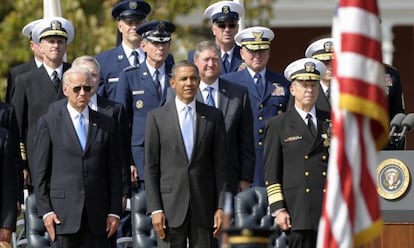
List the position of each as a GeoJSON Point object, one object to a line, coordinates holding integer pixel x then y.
{"type": "Point", "coordinates": [351, 214]}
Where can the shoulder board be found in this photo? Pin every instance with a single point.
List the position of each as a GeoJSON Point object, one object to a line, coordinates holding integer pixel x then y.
{"type": "Point", "coordinates": [131, 67]}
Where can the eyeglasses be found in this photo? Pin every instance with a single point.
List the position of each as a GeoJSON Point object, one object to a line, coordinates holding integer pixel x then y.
{"type": "Point", "coordinates": [228, 25]}
{"type": "Point", "coordinates": [85, 88]}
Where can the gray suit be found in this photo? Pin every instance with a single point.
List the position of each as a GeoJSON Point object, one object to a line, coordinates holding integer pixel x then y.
{"type": "Point", "coordinates": [233, 101]}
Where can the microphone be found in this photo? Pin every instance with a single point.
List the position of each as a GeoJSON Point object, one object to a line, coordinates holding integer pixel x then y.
{"type": "Point", "coordinates": [407, 124]}
{"type": "Point", "coordinates": [396, 124]}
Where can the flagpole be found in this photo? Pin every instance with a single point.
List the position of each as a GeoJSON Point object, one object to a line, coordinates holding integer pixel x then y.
{"type": "Point", "coordinates": [52, 8]}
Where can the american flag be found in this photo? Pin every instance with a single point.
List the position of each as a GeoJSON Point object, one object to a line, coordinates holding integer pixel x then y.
{"type": "Point", "coordinates": [351, 213]}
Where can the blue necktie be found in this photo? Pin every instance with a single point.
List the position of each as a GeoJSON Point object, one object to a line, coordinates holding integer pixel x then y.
{"type": "Point", "coordinates": [210, 98]}
{"type": "Point", "coordinates": [259, 84]}
{"type": "Point", "coordinates": [226, 63]}
{"type": "Point", "coordinates": [81, 130]}
{"type": "Point", "coordinates": [187, 130]}
{"type": "Point", "coordinates": [157, 83]}
{"type": "Point", "coordinates": [136, 58]}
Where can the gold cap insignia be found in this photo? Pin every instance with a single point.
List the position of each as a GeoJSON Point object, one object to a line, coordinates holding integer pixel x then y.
{"type": "Point", "coordinates": [258, 36]}
{"type": "Point", "coordinates": [328, 46]}
{"type": "Point", "coordinates": [225, 9]}
{"type": "Point", "coordinates": [133, 5]}
{"type": "Point", "coordinates": [310, 67]}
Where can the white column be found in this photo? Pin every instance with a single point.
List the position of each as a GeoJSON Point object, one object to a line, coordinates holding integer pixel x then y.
{"type": "Point", "coordinates": [387, 42]}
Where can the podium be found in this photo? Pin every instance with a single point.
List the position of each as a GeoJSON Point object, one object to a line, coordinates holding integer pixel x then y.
{"type": "Point", "coordinates": [394, 175]}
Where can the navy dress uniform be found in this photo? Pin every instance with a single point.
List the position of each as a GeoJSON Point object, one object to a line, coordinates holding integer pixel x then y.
{"type": "Point", "coordinates": [35, 89]}
{"type": "Point", "coordinates": [322, 50]}
{"type": "Point", "coordinates": [138, 93]}
{"type": "Point", "coordinates": [295, 159]}
{"type": "Point", "coordinates": [113, 61]}
{"type": "Point", "coordinates": [224, 13]}
{"type": "Point", "coordinates": [275, 93]}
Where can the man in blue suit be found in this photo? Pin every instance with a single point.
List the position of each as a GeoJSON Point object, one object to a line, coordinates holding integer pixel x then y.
{"type": "Point", "coordinates": [129, 14]}
{"type": "Point", "coordinates": [143, 88]}
{"type": "Point", "coordinates": [225, 16]}
{"type": "Point", "coordinates": [268, 91]}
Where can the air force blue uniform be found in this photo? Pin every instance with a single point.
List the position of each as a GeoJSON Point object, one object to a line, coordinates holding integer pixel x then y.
{"type": "Point", "coordinates": [273, 102]}
{"type": "Point", "coordinates": [137, 92]}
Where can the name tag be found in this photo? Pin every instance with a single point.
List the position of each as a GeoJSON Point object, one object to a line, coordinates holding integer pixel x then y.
{"type": "Point", "coordinates": [137, 92]}
{"type": "Point", "coordinates": [113, 80]}
{"type": "Point", "coordinates": [293, 138]}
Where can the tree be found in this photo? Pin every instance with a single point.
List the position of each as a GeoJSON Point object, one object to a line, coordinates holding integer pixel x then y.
{"type": "Point", "coordinates": [96, 29]}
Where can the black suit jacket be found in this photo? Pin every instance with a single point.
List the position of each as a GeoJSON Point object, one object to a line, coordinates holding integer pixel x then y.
{"type": "Point", "coordinates": [296, 167]}
{"type": "Point", "coordinates": [8, 184]}
{"type": "Point", "coordinates": [13, 73]}
{"type": "Point", "coordinates": [117, 112]}
{"type": "Point", "coordinates": [68, 180]}
{"type": "Point", "coordinates": [233, 101]}
{"type": "Point", "coordinates": [176, 184]}
{"type": "Point", "coordinates": [33, 94]}
{"type": "Point", "coordinates": [8, 121]}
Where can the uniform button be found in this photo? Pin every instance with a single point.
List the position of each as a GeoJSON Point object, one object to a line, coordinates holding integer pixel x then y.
{"type": "Point", "coordinates": [306, 157]}
{"type": "Point", "coordinates": [324, 190]}
{"type": "Point", "coordinates": [260, 130]}
{"type": "Point", "coordinates": [307, 173]}
{"type": "Point", "coordinates": [324, 157]}
{"type": "Point", "coordinates": [261, 106]}
{"type": "Point", "coordinates": [260, 118]}
{"type": "Point", "coordinates": [307, 190]}
{"type": "Point", "coordinates": [85, 174]}
{"type": "Point", "coordinates": [324, 173]}
{"type": "Point", "coordinates": [260, 143]}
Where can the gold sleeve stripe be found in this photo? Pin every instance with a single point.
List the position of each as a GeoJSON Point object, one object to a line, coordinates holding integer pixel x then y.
{"type": "Point", "coordinates": [22, 150]}
{"type": "Point", "coordinates": [274, 193]}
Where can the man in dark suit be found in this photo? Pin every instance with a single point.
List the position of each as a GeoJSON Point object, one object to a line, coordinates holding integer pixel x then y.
{"type": "Point", "coordinates": [143, 88]}
{"type": "Point", "coordinates": [296, 156]}
{"type": "Point", "coordinates": [34, 63]}
{"type": "Point", "coordinates": [8, 185]}
{"type": "Point", "coordinates": [233, 100]}
{"type": "Point", "coordinates": [185, 153]}
{"type": "Point", "coordinates": [224, 16]}
{"type": "Point", "coordinates": [322, 50]}
{"type": "Point", "coordinates": [76, 173]}
{"type": "Point", "coordinates": [129, 15]}
{"type": "Point", "coordinates": [117, 112]}
{"type": "Point", "coordinates": [39, 87]}
{"type": "Point", "coordinates": [268, 91]}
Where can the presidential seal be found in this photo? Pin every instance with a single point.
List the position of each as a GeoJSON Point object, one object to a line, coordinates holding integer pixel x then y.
{"type": "Point", "coordinates": [393, 179]}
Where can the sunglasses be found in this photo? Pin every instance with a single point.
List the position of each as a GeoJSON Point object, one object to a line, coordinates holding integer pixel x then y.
{"type": "Point", "coordinates": [228, 25]}
{"type": "Point", "coordinates": [85, 88]}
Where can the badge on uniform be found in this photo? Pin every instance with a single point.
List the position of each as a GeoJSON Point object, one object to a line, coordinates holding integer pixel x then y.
{"type": "Point", "coordinates": [278, 90]}
{"type": "Point", "coordinates": [388, 83]}
{"type": "Point", "coordinates": [139, 104]}
{"type": "Point", "coordinates": [326, 136]}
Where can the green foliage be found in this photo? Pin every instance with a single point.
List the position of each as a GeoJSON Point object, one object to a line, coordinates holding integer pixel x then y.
{"type": "Point", "coordinates": [96, 29]}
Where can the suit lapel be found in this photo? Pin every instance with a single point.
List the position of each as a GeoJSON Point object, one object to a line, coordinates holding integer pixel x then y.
{"type": "Point", "coordinates": [67, 123]}
{"type": "Point", "coordinates": [93, 128]}
{"type": "Point", "coordinates": [201, 123]}
{"type": "Point", "coordinates": [248, 81]}
{"type": "Point", "coordinates": [224, 96]}
{"type": "Point", "coordinates": [297, 123]}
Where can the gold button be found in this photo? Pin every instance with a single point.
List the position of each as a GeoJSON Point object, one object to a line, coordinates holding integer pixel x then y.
{"type": "Point", "coordinates": [260, 143]}
{"type": "Point", "coordinates": [307, 190]}
{"type": "Point", "coordinates": [260, 130]}
{"type": "Point", "coordinates": [324, 173]}
{"type": "Point", "coordinates": [261, 106]}
{"type": "Point", "coordinates": [260, 118]}
{"type": "Point", "coordinates": [324, 157]}
{"type": "Point", "coordinates": [307, 173]}
{"type": "Point", "coordinates": [324, 190]}
{"type": "Point", "coordinates": [306, 156]}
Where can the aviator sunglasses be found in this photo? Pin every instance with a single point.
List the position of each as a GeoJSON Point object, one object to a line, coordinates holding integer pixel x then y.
{"type": "Point", "coordinates": [224, 25]}
{"type": "Point", "coordinates": [85, 88]}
